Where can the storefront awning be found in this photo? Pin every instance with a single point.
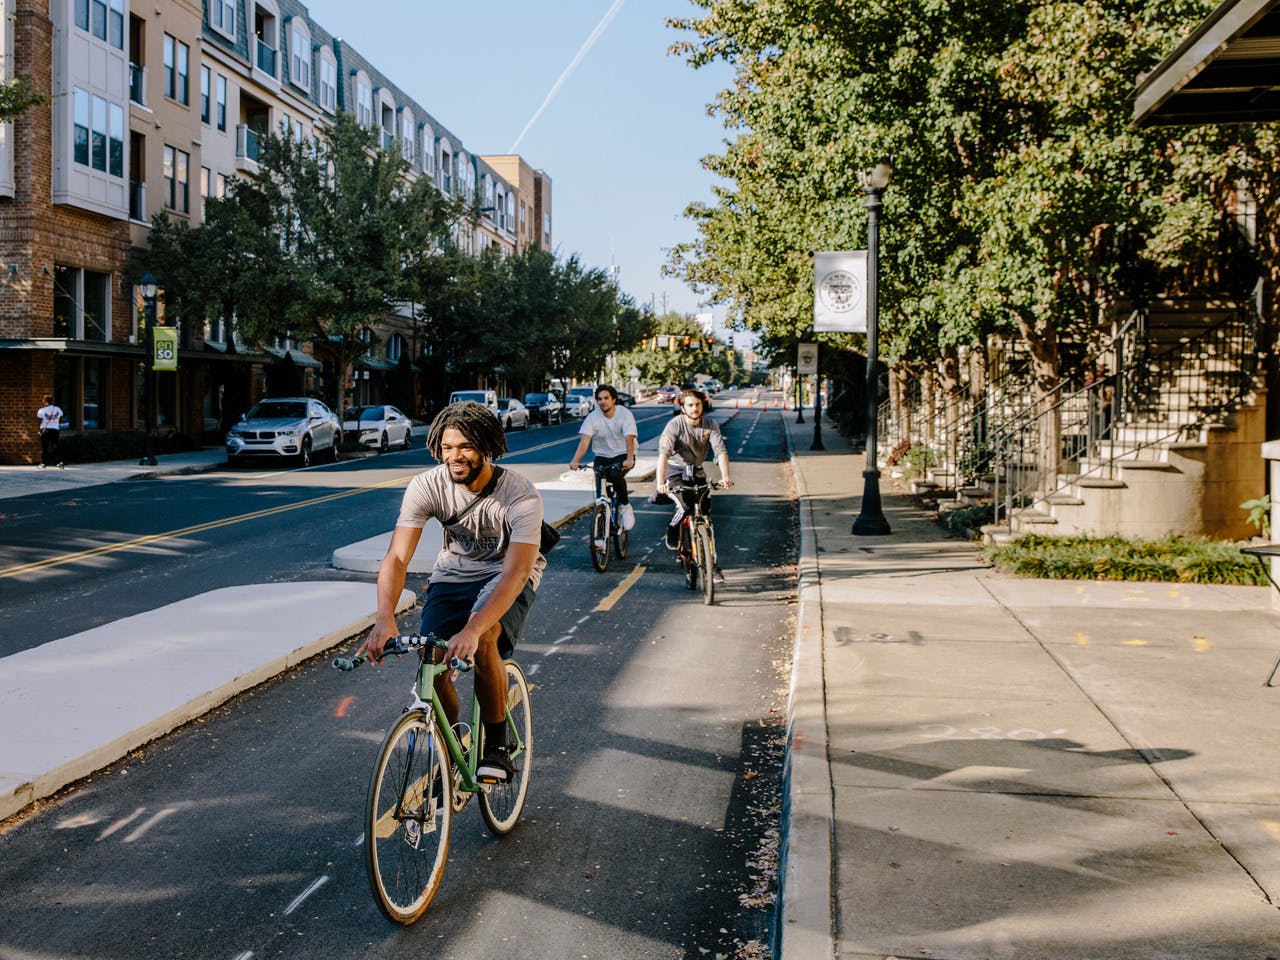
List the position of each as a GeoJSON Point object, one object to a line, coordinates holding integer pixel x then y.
{"type": "Point", "coordinates": [1226, 71]}
{"type": "Point", "coordinates": [297, 356]}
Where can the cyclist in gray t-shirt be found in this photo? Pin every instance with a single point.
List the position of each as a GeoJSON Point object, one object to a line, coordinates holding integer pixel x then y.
{"type": "Point", "coordinates": [682, 448]}
{"type": "Point", "coordinates": [486, 574]}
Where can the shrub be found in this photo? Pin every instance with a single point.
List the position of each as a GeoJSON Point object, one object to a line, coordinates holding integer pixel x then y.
{"type": "Point", "coordinates": [919, 458]}
{"type": "Point", "coordinates": [1173, 559]}
{"type": "Point", "coordinates": [968, 520]}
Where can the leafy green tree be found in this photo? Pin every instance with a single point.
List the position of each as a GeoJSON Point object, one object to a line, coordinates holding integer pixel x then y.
{"type": "Point", "coordinates": [17, 96]}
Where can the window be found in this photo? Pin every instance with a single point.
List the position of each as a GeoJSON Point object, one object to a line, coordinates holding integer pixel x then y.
{"type": "Point", "coordinates": [205, 82]}
{"type": "Point", "coordinates": [220, 99]}
{"type": "Point", "coordinates": [364, 104]}
{"type": "Point", "coordinates": [428, 149]}
{"type": "Point", "coordinates": [446, 182]}
{"type": "Point", "coordinates": [395, 348]}
{"type": "Point", "coordinates": [176, 185]}
{"type": "Point", "coordinates": [300, 56]}
{"type": "Point", "coordinates": [406, 135]}
{"type": "Point", "coordinates": [98, 138]}
{"type": "Point", "coordinates": [115, 24]}
{"type": "Point", "coordinates": [81, 304]}
{"type": "Point", "coordinates": [176, 58]}
{"type": "Point", "coordinates": [222, 14]}
{"type": "Point", "coordinates": [99, 28]}
{"type": "Point", "coordinates": [82, 14]}
{"type": "Point", "coordinates": [115, 140]}
{"type": "Point", "coordinates": [328, 84]}
{"type": "Point", "coordinates": [220, 186]}
{"type": "Point", "coordinates": [80, 107]}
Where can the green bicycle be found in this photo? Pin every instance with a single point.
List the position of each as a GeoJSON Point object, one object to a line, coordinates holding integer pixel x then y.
{"type": "Point", "coordinates": [425, 773]}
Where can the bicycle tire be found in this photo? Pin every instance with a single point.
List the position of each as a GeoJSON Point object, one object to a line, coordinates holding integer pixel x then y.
{"type": "Point", "coordinates": [599, 542]}
{"type": "Point", "coordinates": [621, 541]}
{"type": "Point", "coordinates": [706, 556]}
{"type": "Point", "coordinates": [688, 555]}
{"type": "Point", "coordinates": [405, 862]}
{"type": "Point", "coordinates": [501, 803]}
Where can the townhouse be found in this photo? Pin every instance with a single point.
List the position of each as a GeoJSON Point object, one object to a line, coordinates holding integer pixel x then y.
{"type": "Point", "coordinates": [156, 109]}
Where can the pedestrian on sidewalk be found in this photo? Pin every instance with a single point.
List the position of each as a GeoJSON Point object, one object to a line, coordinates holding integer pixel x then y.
{"type": "Point", "coordinates": [50, 417]}
{"type": "Point", "coordinates": [610, 430]}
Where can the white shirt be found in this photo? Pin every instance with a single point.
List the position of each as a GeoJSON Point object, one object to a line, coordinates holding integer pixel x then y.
{"type": "Point", "coordinates": [50, 417]}
{"type": "Point", "coordinates": [609, 434]}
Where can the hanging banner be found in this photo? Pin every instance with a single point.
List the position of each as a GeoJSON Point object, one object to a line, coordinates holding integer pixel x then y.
{"type": "Point", "coordinates": [165, 340]}
{"type": "Point", "coordinates": [807, 359]}
{"type": "Point", "coordinates": [839, 291]}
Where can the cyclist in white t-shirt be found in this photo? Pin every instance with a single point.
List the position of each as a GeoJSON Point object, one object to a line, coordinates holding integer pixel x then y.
{"type": "Point", "coordinates": [610, 431]}
{"type": "Point", "coordinates": [50, 417]}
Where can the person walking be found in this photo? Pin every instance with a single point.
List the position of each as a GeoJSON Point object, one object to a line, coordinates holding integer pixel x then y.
{"type": "Point", "coordinates": [610, 431]}
{"type": "Point", "coordinates": [50, 417]}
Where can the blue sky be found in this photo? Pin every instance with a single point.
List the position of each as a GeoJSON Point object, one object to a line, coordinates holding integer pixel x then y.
{"type": "Point", "coordinates": [621, 140]}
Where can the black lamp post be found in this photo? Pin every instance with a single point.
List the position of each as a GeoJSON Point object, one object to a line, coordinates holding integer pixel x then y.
{"type": "Point", "coordinates": [799, 396]}
{"type": "Point", "coordinates": [871, 521]}
{"type": "Point", "coordinates": [817, 413]}
{"type": "Point", "coordinates": [147, 287]}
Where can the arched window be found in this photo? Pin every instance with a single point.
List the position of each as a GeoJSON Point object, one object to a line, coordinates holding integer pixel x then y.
{"type": "Point", "coordinates": [328, 66]}
{"type": "Point", "coordinates": [364, 99]}
{"type": "Point", "coordinates": [428, 149]}
{"type": "Point", "coordinates": [395, 347]}
{"type": "Point", "coordinates": [299, 53]}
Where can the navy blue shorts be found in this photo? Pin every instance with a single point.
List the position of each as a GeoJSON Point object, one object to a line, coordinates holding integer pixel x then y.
{"type": "Point", "coordinates": [449, 604]}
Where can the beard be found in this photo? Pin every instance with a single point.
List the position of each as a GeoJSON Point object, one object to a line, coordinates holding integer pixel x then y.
{"type": "Point", "coordinates": [470, 477]}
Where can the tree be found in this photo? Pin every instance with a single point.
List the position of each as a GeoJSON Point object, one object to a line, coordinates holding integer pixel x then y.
{"type": "Point", "coordinates": [17, 96]}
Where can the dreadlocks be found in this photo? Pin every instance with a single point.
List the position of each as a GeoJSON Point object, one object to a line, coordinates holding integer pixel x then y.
{"type": "Point", "coordinates": [474, 421]}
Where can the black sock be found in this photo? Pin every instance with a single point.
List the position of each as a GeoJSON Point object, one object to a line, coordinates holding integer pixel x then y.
{"type": "Point", "coordinates": [495, 734]}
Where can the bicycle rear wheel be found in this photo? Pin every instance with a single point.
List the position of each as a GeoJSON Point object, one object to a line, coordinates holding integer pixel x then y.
{"type": "Point", "coordinates": [706, 558]}
{"type": "Point", "coordinates": [599, 543]}
{"type": "Point", "coordinates": [408, 818]}
{"type": "Point", "coordinates": [689, 555]}
{"type": "Point", "coordinates": [501, 803]}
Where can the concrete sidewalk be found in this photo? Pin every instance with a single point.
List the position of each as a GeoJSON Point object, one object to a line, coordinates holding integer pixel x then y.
{"type": "Point", "coordinates": [982, 766]}
{"type": "Point", "coordinates": [25, 480]}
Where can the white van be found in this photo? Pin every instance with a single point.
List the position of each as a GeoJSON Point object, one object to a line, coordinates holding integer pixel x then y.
{"type": "Point", "coordinates": [487, 398]}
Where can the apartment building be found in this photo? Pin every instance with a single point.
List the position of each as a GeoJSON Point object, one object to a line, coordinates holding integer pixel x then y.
{"type": "Point", "coordinates": [532, 199]}
{"type": "Point", "coordinates": [156, 109]}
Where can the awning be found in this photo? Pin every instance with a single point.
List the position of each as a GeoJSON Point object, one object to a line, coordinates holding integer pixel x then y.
{"type": "Point", "coordinates": [1226, 71]}
{"type": "Point", "coordinates": [298, 357]}
{"type": "Point", "coordinates": [372, 363]}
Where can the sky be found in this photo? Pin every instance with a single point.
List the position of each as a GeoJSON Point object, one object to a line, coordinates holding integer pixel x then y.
{"type": "Point", "coordinates": [621, 138]}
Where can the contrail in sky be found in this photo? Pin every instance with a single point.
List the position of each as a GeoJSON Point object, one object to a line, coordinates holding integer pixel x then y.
{"type": "Point", "coordinates": [573, 65]}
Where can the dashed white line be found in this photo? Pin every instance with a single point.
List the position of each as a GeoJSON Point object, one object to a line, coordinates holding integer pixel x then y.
{"type": "Point", "coordinates": [121, 823]}
{"type": "Point", "coordinates": [149, 824]}
{"type": "Point", "coordinates": [247, 955]}
{"type": "Point", "coordinates": [298, 900]}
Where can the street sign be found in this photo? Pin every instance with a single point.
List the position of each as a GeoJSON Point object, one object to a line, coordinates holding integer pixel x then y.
{"type": "Point", "coordinates": [807, 358]}
{"type": "Point", "coordinates": [165, 341]}
{"type": "Point", "coordinates": [839, 291]}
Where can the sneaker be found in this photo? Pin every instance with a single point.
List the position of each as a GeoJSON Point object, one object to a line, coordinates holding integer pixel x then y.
{"type": "Point", "coordinates": [626, 516]}
{"type": "Point", "coordinates": [496, 766]}
{"type": "Point", "coordinates": [673, 536]}
{"type": "Point", "coordinates": [42, 466]}
{"type": "Point", "coordinates": [61, 467]}
{"type": "Point", "coordinates": [717, 574]}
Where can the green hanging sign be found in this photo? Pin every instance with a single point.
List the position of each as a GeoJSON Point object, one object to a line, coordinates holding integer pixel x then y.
{"type": "Point", "coordinates": [165, 340]}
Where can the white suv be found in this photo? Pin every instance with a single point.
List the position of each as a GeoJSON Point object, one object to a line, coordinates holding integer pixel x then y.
{"type": "Point", "coordinates": [286, 427]}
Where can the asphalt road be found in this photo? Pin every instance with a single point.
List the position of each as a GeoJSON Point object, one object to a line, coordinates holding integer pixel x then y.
{"type": "Point", "coordinates": [658, 735]}
{"type": "Point", "coordinates": [128, 547]}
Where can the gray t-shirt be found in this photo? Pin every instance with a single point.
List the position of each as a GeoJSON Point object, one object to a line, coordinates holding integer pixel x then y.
{"type": "Point", "coordinates": [686, 444]}
{"type": "Point", "coordinates": [475, 546]}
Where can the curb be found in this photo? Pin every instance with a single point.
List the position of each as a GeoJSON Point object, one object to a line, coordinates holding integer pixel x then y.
{"type": "Point", "coordinates": [96, 759]}
{"type": "Point", "coordinates": [806, 879]}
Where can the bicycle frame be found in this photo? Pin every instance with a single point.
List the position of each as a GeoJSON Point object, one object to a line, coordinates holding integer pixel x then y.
{"type": "Point", "coordinates": [607, 495]}
{"type": "Point", "coordinates": [693, 516]}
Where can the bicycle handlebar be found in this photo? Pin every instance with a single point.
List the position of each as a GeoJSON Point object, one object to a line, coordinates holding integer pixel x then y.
{"type": "Point", "coordinates": [401, 645]}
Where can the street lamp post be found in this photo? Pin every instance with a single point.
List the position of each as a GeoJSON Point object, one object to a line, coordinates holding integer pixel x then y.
{"type": "Point", "coordinates": [799, 396]}
{"type": "Point", "coordinates": [147, 287]}
{"type": "Point", "coordinates": [871, 521]}
{"type": "Point", "coordinates": [817, 413]}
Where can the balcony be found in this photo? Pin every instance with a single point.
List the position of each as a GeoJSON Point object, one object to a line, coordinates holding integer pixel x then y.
{"type": "Point", "coordinates": [266, 59]}
{"type": "Point", "coordinates": [246, 148]}
{"type": "Point", "coordinates": [138, 84]}
{"type": "Point", "coordinates": [138, 201]}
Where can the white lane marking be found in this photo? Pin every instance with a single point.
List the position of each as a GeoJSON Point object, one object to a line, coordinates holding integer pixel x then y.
{"type": "Point", "coordinates": [121, 823]}
{"type": "Point", "coordinates": [297, 902]}
{"type": "Point", "coordinates": [247, 955]}
{"type": "Point", "coordinates": [359, 841]}
{"type": "Point", "coordinates": [557, 643]}
{"type": "Point", "coordinates": [582, 620]}
{"type": "Point", "coordinates": [573, 629]}
{"type": "Point", "coordinates": [149, 824]}
{"type": "Point", "coordinates": [533, 668]}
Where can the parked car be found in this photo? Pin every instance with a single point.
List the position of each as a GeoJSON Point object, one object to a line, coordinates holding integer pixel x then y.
{"type": "Point", "coordinates": [580, 401]}
{"type": "Point", "coordinates": [513, 414]}
{"type": "Point", "coordinates": [626, 399]}
{"type": "Point", "coordinates": [379, 426]}
{"type": "Point", "coordinates": [544, 407]}
{"type": "Point", "coordinates": [484, 397]}
{"type": "Point", "coordinates": [285, 427]}
{"type": "Point", "coordinates": [667, 394]}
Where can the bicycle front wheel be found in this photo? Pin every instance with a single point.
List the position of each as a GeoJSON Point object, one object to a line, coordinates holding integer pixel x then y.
{"type": "Point", "coordinates": [621, 542]}
{"type": "Point", "coordinates": [600, 538]}
{"type": "Point", "coordinates": [706, 560]}
{"type": "Point", "coordinates": [408, 819]}
{"type": "Point", "coordinates": [501, 803]}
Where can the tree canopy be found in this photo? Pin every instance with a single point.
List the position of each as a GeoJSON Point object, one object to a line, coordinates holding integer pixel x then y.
{"type": "Point", "coordinates": [1021, 201]}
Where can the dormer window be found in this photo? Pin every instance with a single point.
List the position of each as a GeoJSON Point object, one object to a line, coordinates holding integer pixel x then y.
{"type": "Point", "coordinates": [364, 101]}
{"type": "Point", "coordinates": [222, 16]}
{"type": "Point", "coordinates": [299, 54]}
{"type": "Point", "coordinates": [406, 135]}
{"type": "Point", "coordinates": [266, 41]}
{"type": "Point", "coordinates": [328, 81]}
{"type": "Point", "coordinates": [428, 149]}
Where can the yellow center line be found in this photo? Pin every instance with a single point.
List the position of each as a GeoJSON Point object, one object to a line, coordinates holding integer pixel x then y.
{"type": "Point", "coordinates": [153, 538]}
{"type": "Point", "coordinates": [616, 594]}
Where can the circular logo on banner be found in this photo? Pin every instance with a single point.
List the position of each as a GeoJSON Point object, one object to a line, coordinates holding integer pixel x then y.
{"type": "Point", "coordinates": [840, 291]}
